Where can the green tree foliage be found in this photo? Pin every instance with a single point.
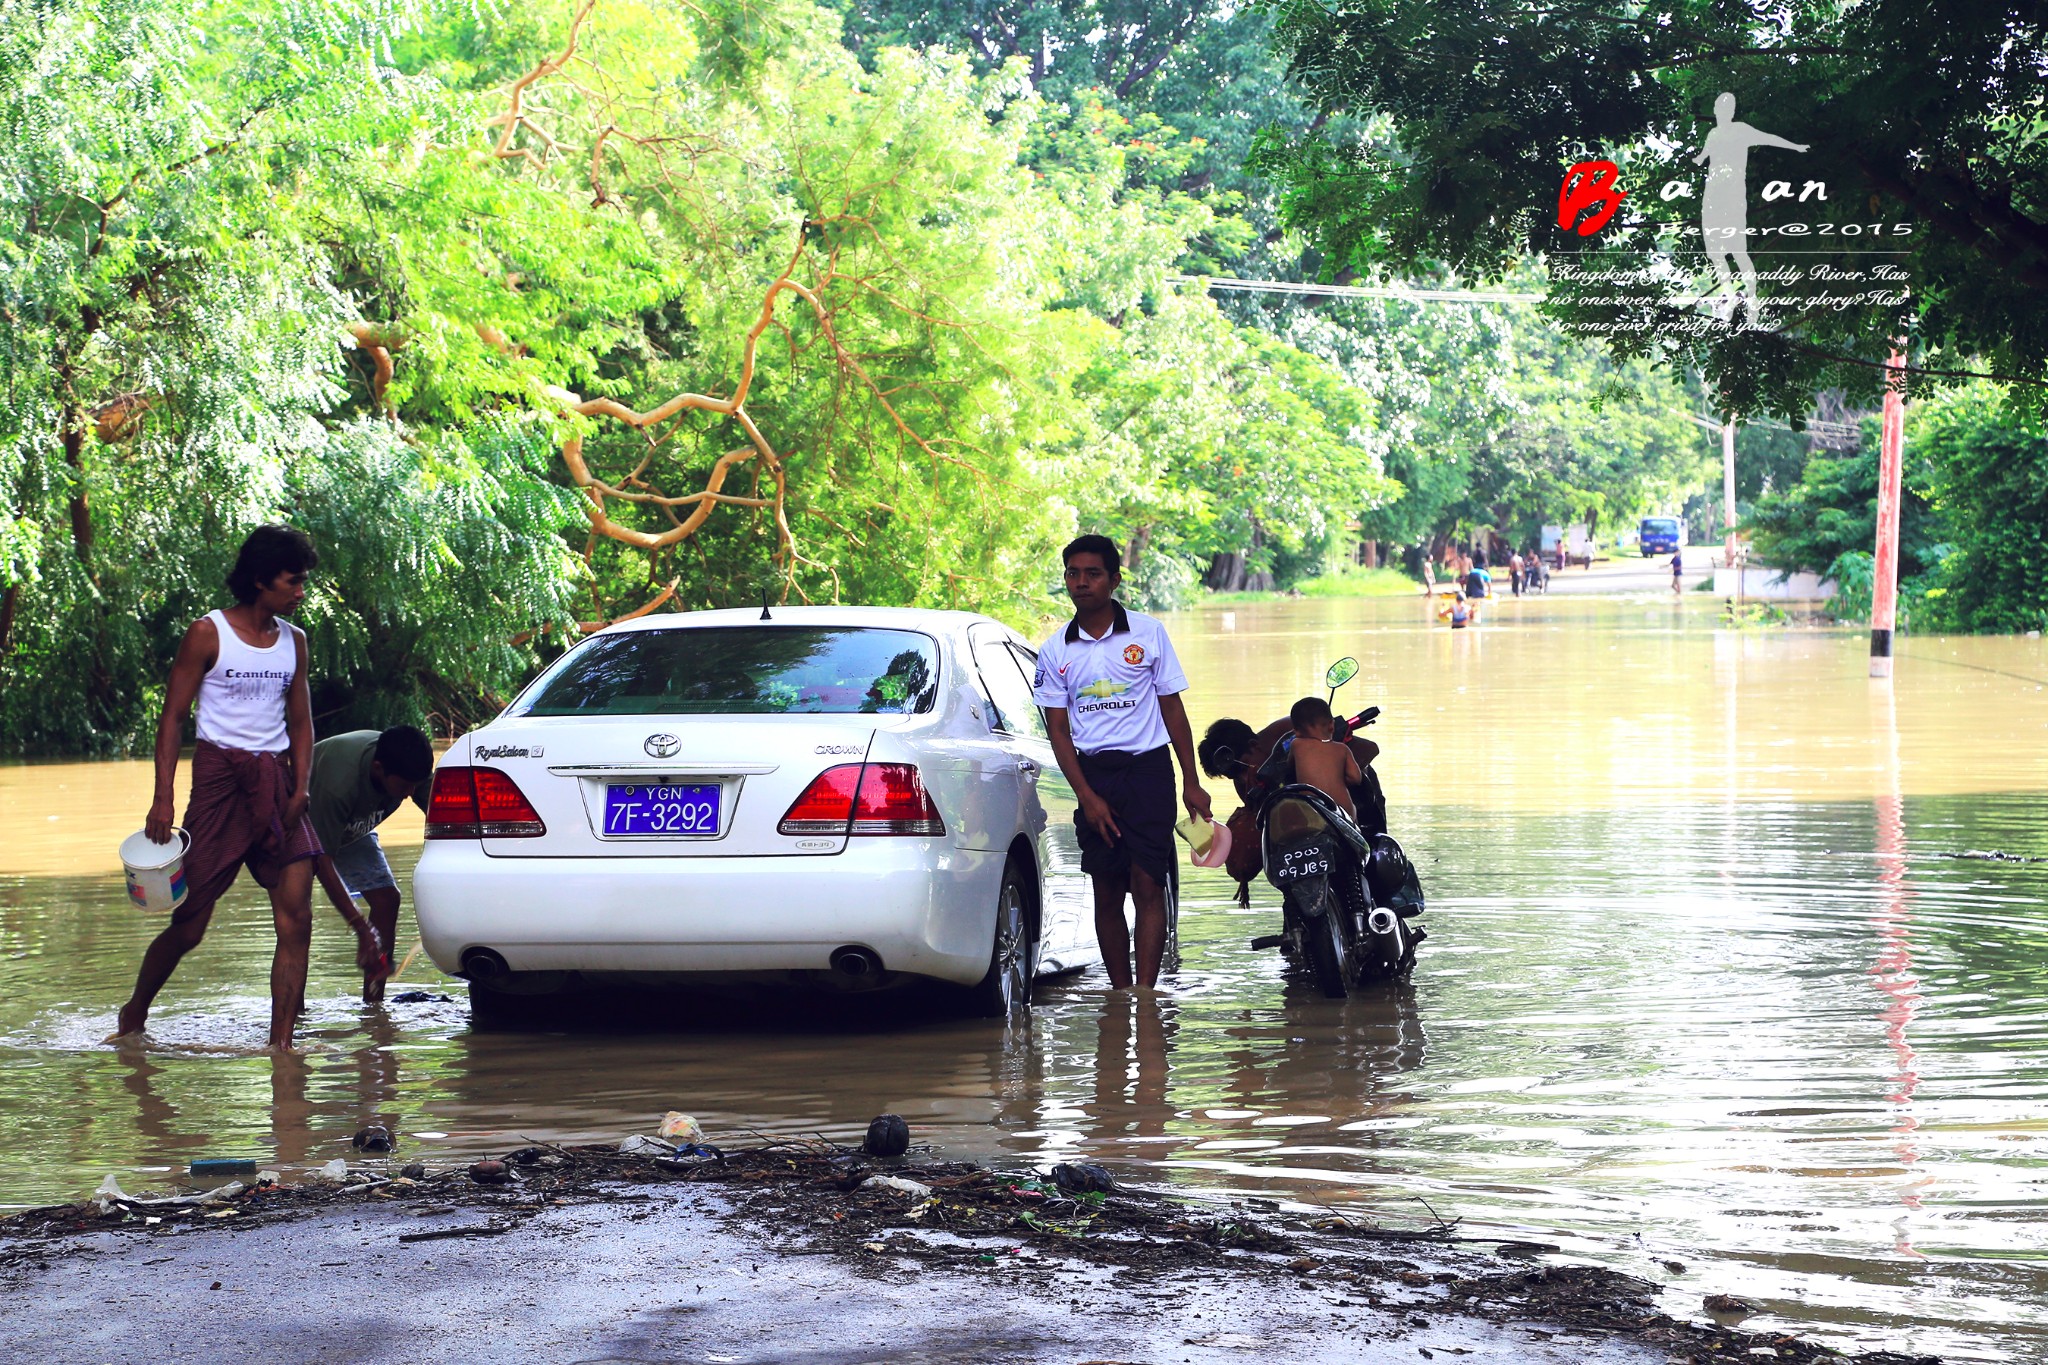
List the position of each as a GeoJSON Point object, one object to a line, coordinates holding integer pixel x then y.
{"type": "Point", "coordinates": [382, 277]}
{"type": "Point", "coordinates": [1475, 112]}
{"type": "Point", "coordinates": [1988, 456]}
{"type": "Point", "coordinates": [1827, 522]}
{"type": "Point", "coordinates": [1202, 441]}
{"type": "Point", "coordinates": [1974, 519]}
{"type": "Point", "coordinates": [172, 348]}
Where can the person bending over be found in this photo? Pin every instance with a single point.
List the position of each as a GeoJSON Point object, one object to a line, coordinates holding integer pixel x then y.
{"type": "Point", "coordinates": [359, 779]}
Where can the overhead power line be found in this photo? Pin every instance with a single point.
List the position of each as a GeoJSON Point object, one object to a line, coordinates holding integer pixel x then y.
{"type": "Point", "coordinates": [1357, 291]}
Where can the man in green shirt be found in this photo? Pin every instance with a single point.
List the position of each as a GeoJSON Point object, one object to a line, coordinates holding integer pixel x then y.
{"type": "Point", "coordinates": [359, 778]}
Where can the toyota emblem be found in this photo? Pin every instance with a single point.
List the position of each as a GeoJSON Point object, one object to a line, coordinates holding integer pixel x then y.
{"type": "Point", "coordinates": [662, 746]}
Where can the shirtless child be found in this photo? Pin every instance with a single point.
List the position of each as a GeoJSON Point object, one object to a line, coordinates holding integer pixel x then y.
{"type": "Point", "coordinates": [1319, 761]}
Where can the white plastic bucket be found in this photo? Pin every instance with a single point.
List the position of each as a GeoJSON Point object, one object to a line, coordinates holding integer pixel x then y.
{"type": "Point", "coordinates": [156, 872]}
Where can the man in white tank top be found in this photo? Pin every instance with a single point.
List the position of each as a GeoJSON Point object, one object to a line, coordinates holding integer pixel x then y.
{"type": "Point", "coordinates": [246, 668]}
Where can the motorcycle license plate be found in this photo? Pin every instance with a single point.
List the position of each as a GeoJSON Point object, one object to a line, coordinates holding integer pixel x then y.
{"type": "Point", "coordinates": [673, 811]}
{"type": "Point", "coordinates": [1302, 863]}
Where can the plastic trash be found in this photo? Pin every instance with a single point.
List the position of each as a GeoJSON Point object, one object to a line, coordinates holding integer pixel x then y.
{"type": "Point", "coordinates": [638, 1145]}
{"type": "Point", "coordinates": [375, 1138]}
{"type": "Point", "coordinates": [335, 1170]}
{"type": "Point", "coordinates": [1082, 1179]}
{"type": "Point", "coordinates": [490, 1173]}
{"type": "Point", "coordinates": [899, 1185]}
{"type": "Point", "coordinates": [224, 1165]}
{"type": "Point", "coordinates": [680, 1127]}
{"type": "Point", "coordinates": [888, 1135]}
{"type": "Point", "coordinates": [416, 1171]}
{"type": "Point", "coordinates": [526, 1156]}
{"type": "Point", "coordinates": [108, 1192]}
{"type": "Point", "coordinates": [267, 1177]}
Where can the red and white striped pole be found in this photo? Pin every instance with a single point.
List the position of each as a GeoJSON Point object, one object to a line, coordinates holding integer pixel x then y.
{"type": "Point", "coordinates": [1891, 461]}
{"type": "Point", "coordinates": [1728, 500]}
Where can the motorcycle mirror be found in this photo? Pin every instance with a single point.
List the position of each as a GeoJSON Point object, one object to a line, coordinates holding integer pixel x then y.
{"type": "Point", "coordinates": [1341, 672]}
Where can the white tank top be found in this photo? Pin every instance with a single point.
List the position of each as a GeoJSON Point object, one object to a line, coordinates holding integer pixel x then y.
{"type": "Point", "coordinates": [241, 698]}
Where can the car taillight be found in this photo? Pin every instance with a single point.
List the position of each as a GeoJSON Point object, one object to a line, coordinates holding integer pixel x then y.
{"type": "Point", "coordinates": [480, 803]}
{"type": "Point", "coordinates": [826, 805]}
{"type": "Point", "coordinates": [893, 800]}
{"type": "Point", "coordinates": [873, 798]}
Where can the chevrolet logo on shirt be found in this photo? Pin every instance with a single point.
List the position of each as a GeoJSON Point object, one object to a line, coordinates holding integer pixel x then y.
{"type": "Point", "coordinates": [1104, 688]}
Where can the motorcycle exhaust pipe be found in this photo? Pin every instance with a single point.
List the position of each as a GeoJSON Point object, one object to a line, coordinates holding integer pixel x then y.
{"type": "Point", "coordinates": [1382, 920]}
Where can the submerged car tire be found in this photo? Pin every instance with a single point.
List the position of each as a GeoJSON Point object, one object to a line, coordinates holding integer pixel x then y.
{"type": "Point", "coordinates": [1013, 956]}
{"type": "Point", "coordinates": [523, 1006]}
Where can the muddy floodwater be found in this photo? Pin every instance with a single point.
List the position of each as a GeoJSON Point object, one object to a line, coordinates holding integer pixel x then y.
{"type": "Point", "coordinates": [1709, 984]}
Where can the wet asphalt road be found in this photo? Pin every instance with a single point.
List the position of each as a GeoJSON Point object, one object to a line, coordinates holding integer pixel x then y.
{"type": "Point", "coordinates": [666, 1280]}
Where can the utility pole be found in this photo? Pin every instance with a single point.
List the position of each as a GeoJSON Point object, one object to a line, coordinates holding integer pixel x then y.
{"type": "Point", "coordinates": [1728, 498]}
{"type": "Point", "coordinates": [1891, 462]}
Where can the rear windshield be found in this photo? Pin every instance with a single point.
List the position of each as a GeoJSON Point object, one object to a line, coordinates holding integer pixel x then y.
{"type": "Point", "coordinates": [742, 671]}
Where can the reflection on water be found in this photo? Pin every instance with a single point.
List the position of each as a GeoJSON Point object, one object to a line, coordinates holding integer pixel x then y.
{"type": "Point", "coordinates": [1704, 985]}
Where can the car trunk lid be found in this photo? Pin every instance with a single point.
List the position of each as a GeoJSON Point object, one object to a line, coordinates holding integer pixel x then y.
{"type": "Point", "coordinates": [583, 774]}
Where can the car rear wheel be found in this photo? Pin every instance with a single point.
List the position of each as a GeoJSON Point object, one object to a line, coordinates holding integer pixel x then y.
{"type": "Point", "coordinates": [525, 1000]}
{"type": "Point", "coordinates": [1013, 957]}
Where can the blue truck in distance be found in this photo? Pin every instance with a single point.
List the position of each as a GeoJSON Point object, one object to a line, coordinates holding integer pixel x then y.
{"type": "Point", "coordinates": [1658, 535]}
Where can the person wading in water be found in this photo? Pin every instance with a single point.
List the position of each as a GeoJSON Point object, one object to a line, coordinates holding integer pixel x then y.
{"type": "Point", "coordinates": [1110, 686]}
{"type": "Point", "coordinates": [246, 667]}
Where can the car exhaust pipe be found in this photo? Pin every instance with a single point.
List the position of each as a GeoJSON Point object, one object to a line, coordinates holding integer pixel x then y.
{"type": "Point", "coordinates": [1381, 920]}
{"type": "Point", "coordinates": [485, 964]}
{"type": "Point", "coordinates": [856, 963]}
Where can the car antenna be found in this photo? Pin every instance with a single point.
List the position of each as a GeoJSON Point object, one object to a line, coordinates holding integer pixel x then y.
{"type": "Point", "coordinates": [764, 606]}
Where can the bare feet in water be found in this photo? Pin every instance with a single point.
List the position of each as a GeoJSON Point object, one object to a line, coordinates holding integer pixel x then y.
{"type": "Point", "coordinates": [129, 1025]}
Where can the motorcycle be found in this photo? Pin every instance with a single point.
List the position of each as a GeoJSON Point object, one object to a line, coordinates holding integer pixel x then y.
{"type": "Point", "coordinates": [1348, 891]}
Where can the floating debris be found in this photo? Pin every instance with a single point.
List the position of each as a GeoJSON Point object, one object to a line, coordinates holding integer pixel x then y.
{"type": "Point", "coordinates": [888, 1135]}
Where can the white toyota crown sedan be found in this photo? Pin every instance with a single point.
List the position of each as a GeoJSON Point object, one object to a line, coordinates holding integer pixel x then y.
{"type": "Point", "coordinates": [849, 796]}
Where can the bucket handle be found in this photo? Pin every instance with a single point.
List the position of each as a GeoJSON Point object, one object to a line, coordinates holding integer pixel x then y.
{"type": "Point", "coordinates": [180, 831]}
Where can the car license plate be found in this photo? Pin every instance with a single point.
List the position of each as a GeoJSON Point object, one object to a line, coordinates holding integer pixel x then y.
{"type": "Point", "coordinates": [661, 810]}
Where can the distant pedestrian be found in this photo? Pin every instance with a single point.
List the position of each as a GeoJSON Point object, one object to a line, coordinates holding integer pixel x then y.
{"type": "Point", "coordinates": [1677, 571]}
{"type": "Point", "coordinates": [246, 667]}
{"type": "Point", "coordinates": [1111, 688]}
{"type": "Point", "coordinates": [1515, 572]}
{"type": "Point", "coordinates": [359, 779]}
{"type": "Point", "coordinates": [1478, 582]}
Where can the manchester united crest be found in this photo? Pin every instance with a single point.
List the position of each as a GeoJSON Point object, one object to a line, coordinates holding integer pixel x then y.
{"type": "Point", "coordinates": [1134, 655]}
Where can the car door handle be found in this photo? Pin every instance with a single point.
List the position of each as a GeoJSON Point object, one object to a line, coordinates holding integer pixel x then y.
{"type": "Point", "coordinates": [1027, 767]}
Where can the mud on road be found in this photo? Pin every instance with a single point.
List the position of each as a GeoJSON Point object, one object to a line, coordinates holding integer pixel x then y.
{"type": "Point", "coordinates": [793, 1252]}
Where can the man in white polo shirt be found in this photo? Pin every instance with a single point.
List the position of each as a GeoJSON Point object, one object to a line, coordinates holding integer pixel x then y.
{"type": "Point", "coordinates": [1110, 686]}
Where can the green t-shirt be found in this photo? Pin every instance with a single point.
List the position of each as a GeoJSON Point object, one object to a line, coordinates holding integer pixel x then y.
{"type": "Point", "coordinates": [347, 802]}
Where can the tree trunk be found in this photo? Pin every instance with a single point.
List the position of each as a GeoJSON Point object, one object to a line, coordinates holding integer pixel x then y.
{"type": "Point", "coordinates": [1226, 573]}
{"type": "Point", "coordinates": [1136, 550]}
{"type": "Point", "coordinates": [1369, 554]}
{"type": "Point", "coordinates": [73, 421]}
{"type": "Point", "coordinates": [8, 601]}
